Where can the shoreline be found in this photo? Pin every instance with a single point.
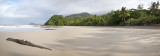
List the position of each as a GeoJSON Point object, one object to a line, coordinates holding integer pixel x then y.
{"type": "Point", "coordinates": [54, 28]}
{"type": "Point", "coordinates": [156, 25]}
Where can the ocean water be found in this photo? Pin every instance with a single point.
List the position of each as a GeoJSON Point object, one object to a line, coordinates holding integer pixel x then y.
{"type": "Point", "coordinates": [13, 28]}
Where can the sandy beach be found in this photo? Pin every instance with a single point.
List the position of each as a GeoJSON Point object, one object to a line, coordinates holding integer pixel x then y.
{"type": "Point", "coordinates": [85, 41]}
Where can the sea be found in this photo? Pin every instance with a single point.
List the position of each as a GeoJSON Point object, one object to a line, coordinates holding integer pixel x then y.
{"type": "Point", "coordinates": [13, 28]}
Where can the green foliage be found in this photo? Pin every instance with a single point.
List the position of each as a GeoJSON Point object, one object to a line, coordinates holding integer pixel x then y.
{"type": "Point", "coordinates": [137, 16]}
{"type": "Point", "coordinates": [137, 13]}
{"type": "Point", "coordinates": [156, 20]}
{"type": "Point", "coordinates": [113, 18]}
{"type": "Point", "coordinates": [124, 13]}
{"type": "Point", "coordinates": [93, 21]}
{"type": "Point", "coordinates": [135, 22]}
{"type": "Point", "coordinates": [113, 21]}
{"type": "Point", "coordinates": [78, 16]}
{"type": "Point", "coordinates": [130, 21]}
{"type": "Point", "coordinates": [146, 20]}
{"type": "Point", "coordinates": [56, 20]}
{"type": "Point", "coordinates": [154, 8]}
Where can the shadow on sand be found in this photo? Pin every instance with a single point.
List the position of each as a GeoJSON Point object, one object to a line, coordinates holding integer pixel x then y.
{"type": "Point", "coordinates": [110, 43]}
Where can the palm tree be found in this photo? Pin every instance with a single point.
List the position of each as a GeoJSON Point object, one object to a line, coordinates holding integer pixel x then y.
{"type": "Point", "coordinates": [154, 7]}
{"type": "Point", "coordinates": [124, 13]}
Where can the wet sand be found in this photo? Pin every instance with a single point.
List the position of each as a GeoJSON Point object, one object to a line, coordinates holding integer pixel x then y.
{"type": "Point", "coordinates": [85, 41]}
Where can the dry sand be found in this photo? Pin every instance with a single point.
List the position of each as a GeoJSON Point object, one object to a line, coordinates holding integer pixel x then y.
{"type": "Point", "coordinates": [85, 41]}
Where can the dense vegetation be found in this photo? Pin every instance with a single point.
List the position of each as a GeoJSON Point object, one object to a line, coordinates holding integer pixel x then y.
{"type": "Point", "coordinates": [137, 16]}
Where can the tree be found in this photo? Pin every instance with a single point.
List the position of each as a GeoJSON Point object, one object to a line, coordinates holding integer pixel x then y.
{"type": "Point", "coordinates": [113, 18]}
{"type": "Point", "coordinates": [124, 13]}
{"type": "Point", "coordinates": [154, 7]}
{"type": "Point", "coordinates": [134, 13]}
{"type": "Point", "coordinates": [140, 7]}
{"type": "Point", "coordinates": [157, 5]}
{"type": "Point", "coordinates": [137, 16]}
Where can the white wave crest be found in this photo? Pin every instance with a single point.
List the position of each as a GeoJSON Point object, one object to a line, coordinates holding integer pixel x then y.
{"type": "Point", "coordinates": [19, 26]}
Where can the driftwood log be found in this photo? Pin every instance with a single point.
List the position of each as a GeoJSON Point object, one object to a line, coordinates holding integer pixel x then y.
{"type": "Point", "coordinates": [22, 42]}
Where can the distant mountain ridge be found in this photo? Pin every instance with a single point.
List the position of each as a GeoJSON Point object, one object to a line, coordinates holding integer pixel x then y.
{"type": "Point", "coordinates": [79, 15]}
{"type": "Point", "coordinates": [33, 24]}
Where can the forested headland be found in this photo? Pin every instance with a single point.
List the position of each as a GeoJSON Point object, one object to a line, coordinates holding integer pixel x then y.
{"type": "Point", "coordinates": [129, 17]}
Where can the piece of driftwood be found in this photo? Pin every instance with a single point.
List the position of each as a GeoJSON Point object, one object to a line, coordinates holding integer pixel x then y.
{"type": "Point", "coordinates": [22, 42]}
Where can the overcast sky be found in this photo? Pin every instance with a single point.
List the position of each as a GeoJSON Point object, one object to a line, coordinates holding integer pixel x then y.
{"type": "Point", "coordinates": [19, 12]}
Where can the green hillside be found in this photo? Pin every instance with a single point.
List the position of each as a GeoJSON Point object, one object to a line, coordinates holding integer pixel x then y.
{"type": "Point", "coordinates": [124, 16]}
{"type": "Point", "coordinates": [79, 15]}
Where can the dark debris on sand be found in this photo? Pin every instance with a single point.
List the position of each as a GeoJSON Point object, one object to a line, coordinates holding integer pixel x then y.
{"type": "Point", "coordinates": [22, 42]}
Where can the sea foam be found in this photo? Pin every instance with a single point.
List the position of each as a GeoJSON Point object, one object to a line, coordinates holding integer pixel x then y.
{"type": "Point", "coordinates": [20, 28]}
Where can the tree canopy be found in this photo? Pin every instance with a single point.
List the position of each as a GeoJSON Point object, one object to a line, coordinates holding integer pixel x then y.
{"type": "Point", "coordinates": [137, 16]}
